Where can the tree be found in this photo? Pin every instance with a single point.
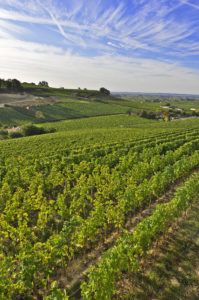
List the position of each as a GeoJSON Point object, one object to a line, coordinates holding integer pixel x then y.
{"type": "Point", "coordinates": [16, 85]}
{"type": "Point", "coordinates": [2, 83]}
{"type": "Point", "coordinates": [129, 111]}
{"type": "Point", "coordinates": [43, 83]}
{"type": "Point", "coordinates": [143, 114]}
{"type": "Point", "coordinates": [9, 84]}
{"type": "Point", "coordinates": [104, 91]}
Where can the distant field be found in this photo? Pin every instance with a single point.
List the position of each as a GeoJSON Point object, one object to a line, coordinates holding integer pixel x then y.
{"type": "Point", "coordinates": [154, 103]}
{"type": "Point", "coordinates": [49, 105]}
{"type": "Point", "coordinates": [17, 115]}
{"type": "Point", "coordinates": [52, 105]}
{"type": "Point", "coordinates": [121, 122]}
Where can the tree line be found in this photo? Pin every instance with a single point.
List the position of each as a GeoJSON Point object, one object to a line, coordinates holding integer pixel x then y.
{"type": "Point", "coordinates": [11, 84]}
{"type": "Point", "coordinates": [16, 85]}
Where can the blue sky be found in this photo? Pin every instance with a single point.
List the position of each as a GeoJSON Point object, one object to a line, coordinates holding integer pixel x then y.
{"type": "Point", "coordinates": [129, 45]}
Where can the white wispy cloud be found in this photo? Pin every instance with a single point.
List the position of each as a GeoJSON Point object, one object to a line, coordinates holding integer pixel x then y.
{"type": "Point", "coordinates": [113, 45]}
{"type": "Point", "coordinates": [22, 17]}
{"type": "Point", "coordinates": [113, 71]}
{"type": "Point", "coordinates": [189, 4]}
{"type": "Point", "coordinates": [151, 27]}
{"type": "Point", "coordinates": [9, 45]}
{"type": "Point", "coordinates": [10, 27]}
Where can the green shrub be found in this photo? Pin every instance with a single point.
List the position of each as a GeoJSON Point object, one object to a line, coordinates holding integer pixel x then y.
{"type": "Point", "coordinates": [28, 130]}
{"type": "Point", "coordinates": [15, 134]}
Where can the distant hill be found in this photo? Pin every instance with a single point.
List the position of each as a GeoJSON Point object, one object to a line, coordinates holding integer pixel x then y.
{"type": "Point", "coordinates": [162, 95]}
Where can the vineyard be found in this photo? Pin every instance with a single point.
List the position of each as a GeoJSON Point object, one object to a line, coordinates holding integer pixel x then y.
{"type": "Point", "coordinates": [69, 203]}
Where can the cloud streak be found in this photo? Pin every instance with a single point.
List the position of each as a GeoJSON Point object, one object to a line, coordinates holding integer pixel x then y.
{"type": "Point", "coordinates": [150, 27]}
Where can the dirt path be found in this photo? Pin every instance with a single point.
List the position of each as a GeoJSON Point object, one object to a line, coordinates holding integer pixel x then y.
{"type": "Point", "coordinates": [171, 271]}
{"type": "Point", "coordinates": [80, 266]}
{"type": "Point", "coordinates": [13, 129]}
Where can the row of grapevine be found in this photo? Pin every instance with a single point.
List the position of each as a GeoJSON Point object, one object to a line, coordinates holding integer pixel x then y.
{"type": "Point", "coordinates": [133, 198]}
{"type": "Point", "coordinates": [52, 207]}
{"type": "Point", "coordinates": [54, 144]}
{"type": "Point", "coordinates": [131, 248]}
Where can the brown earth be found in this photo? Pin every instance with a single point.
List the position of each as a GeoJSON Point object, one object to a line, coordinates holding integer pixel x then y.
{"type": "Point", "coordinates": [24, 99]}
